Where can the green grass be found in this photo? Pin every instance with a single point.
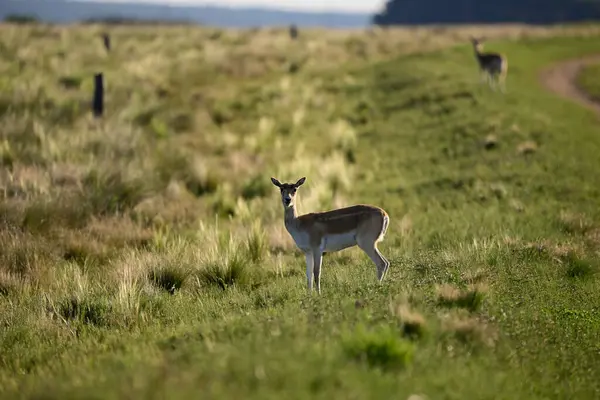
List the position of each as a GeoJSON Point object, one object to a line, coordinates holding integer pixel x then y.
{"type": "Point", "coordinates": [589, 80]}
{"type": "Point", "coordinates": [144, 255]}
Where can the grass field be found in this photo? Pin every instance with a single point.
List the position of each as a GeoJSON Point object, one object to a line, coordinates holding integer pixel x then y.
{"type": "Point", "coordinates": [589, 80]}
{"type": "Point", "coordinates": [144, 254]}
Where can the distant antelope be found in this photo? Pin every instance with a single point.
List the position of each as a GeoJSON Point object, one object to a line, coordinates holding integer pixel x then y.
{"type": "Point", "coordinates": [491, 65]}
{"type": "Point", "coordinates": [316, 233]}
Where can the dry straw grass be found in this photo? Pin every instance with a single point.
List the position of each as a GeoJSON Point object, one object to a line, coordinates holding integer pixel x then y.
{"type": "Point", "coordinates": [412, 323]}
{"type": "Point", "coordinates": [470, 298]}
{"type": "Point", "coordinates": [469, 329]}
{"type": "Point", "coordinates": [528, 147]}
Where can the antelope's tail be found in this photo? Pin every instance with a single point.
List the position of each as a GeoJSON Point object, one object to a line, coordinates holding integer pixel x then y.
{"type": "Point", "coordinates": [384, 227]}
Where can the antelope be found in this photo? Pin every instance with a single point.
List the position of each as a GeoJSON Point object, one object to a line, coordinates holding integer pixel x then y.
{"type": "Point", "coordinates": [491, 65]}
{"type": "Point", "coordinates": [330, 231]}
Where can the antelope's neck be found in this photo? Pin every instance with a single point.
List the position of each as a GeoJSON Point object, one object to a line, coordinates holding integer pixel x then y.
{"type": "Point", "coordinates": [290, 217]}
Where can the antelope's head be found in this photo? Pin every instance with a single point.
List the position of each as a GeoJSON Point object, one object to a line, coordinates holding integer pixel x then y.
{"type": "Point", "coordinates": [288, 191]}
{"type": "Point", "coordinates": [477, 43]}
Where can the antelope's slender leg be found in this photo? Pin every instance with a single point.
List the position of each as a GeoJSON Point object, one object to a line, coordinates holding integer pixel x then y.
{"type": "Point", "coordinates": [493, 81]}
{"type": "Point", "coordinates": [318, 259]}
{"type": "Point", "coordinates": [381, 273]}
{"type": "Point", "coordinates": [309, 270]}
{"type": "Point", "coordinates": [502, 80]}
{"type": "Point", "coordinates": [483, 78]}
{"type": "Point", "coordinates": [369, 247]}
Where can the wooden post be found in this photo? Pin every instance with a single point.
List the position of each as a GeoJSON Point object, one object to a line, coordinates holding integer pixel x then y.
{"type": "Point", "coordinates": [106, 39]}
{"type": "Point", "coordinates": [98, 101]}
{"type": "Point", "coordinates": [293, 31]}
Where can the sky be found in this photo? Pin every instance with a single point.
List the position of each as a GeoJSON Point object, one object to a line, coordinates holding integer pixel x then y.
{"type": "Point", "coordinates": [369, 6]}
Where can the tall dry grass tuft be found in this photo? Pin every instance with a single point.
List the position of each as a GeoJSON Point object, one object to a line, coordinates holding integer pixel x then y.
{"type": "Point", "coordinates": [129, 276]}
{"type": "Point", "coordinates": [170, 279]}
{"type": "Point", "coordinates": [257, 246]}
{"type": "Point", "coordinates": [10, 283]}
{"type": "Point", "coordinates": [412, 323]}
{"type": "Point", "coordinates": [71, 298]}
{"type": "Point", "coordinates": [113, 192]}
{"type": "Point", "coordinates": [576, 223]}
{"type": "Point", "coordinates": [140, 276]}
{"type": "Point", "coordinates": [25, 255]}
{"type": "Point", "coordinates": [470, 298]}
{"type": "Point", "coordinates": [225, 264]}
{"type": "Point", "coordinates": [229, 269]}
{"type": "Point", "coordinates": [199, 178]}
{"type": "Point", "coordinates": [469, 330]}
{"type": "Point", "coordinates": [343, 135]}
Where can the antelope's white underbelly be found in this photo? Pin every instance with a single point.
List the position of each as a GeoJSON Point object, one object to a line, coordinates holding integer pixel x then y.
{"type": "Point", "coordinates": [338, 242]}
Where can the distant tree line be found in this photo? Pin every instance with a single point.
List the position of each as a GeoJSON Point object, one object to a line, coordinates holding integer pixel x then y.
{"type": "Point", "coordinates": [21, 19]}
{"type": "Point", "coordinates": [416, 12]}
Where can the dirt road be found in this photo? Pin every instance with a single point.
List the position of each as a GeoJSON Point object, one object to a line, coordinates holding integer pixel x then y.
{"type": "Point", "coordinates": [560, 79]}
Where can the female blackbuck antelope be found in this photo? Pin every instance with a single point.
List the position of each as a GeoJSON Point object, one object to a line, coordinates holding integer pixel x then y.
{"type": "Point", "coordinates": [317, 233]}
{"type": "Point", "coordinates": [491, 65]}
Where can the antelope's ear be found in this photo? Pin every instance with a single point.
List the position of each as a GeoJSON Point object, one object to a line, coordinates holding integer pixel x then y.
{"type": "Point", "coordinates": [276, 182]}
{"type": "Point", "coordinates": [300, 182]}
